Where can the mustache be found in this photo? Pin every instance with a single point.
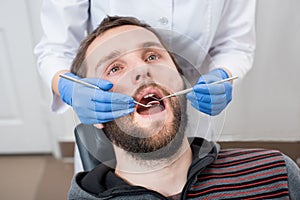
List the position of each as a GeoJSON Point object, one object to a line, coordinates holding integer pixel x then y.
{"type": "Point", "coordinates": [162, 89]}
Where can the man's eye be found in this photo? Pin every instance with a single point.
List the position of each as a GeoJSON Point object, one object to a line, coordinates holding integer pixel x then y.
{"type": "Point", "coordinates": [152, 57]}
{"type": "Point", "coordinates": [114, 69]}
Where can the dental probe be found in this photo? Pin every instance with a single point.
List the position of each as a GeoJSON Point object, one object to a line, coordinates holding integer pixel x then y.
{"type": "Point", "coordinates": [79, 81]}
{"type": "Point", "coordinates": [94, 87]}
{"type": "Point", "coordinates": [191, 89]}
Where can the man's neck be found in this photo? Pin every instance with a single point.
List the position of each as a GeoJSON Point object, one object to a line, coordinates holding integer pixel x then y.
{"type": "Point", "coordinates": [168, 177]}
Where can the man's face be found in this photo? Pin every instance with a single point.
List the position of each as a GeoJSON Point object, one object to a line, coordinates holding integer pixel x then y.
{"type": "Point", "coordinates": [134, 60]}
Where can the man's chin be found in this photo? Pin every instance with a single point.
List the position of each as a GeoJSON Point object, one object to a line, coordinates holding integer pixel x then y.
{"type": "Point", "coordinates": [150, 133]}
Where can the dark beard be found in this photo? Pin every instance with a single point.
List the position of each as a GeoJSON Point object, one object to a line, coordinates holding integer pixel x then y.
{"type": "Point", "coordinates": [125, 134]}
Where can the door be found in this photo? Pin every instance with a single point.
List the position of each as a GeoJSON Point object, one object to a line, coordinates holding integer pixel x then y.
{"type": "Point", "coordinates": [23, 127]}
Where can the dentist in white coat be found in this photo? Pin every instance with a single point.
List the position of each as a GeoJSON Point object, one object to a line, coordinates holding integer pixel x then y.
{"type": "Point", "coordinates": [223, 29]}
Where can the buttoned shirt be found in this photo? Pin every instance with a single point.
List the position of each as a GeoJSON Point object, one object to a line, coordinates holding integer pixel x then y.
{"type": "Point", "coordinates": [222, 30]}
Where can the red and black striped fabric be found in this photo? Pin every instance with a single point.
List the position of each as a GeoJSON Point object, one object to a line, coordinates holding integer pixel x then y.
{"type": "Point", "coordinates": [243, 174]}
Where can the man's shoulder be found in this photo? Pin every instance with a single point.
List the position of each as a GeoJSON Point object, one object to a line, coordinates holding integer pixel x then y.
{"type": "Point", "coordinates": [237, 173]}
{"type": "Point", "coordinates": [244, 153]}
{"type": "Point", "coordinates": [238, 159]}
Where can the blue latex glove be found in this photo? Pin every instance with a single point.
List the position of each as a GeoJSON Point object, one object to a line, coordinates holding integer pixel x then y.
{"type": "Point", "coordinates": [94, 106]}
{"type": "Point", "coordinates": [211, 99]}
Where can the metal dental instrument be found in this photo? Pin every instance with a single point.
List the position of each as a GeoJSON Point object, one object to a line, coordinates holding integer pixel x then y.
{"type": "Point", "coordinates": [188, 90]}
{"type": "Point", "coordinates": [96, 87]}
{"type": "Point", "coordinates": [79, 81]}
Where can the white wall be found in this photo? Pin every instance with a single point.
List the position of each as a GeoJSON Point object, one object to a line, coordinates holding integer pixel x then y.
{"type": "Point", "coordinates": [266, 103]}
{"type": "Point", "coordinates": [59, 125]}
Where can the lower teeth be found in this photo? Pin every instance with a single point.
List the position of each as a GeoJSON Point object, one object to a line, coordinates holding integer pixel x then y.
{"type": "Point", "coordinates": [153, 103]}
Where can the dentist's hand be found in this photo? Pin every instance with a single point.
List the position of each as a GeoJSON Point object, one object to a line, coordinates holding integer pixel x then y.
{"type": "Point", "coordinates": [211, 99]}
{"type": "Point", "coordinates": [94, 106]}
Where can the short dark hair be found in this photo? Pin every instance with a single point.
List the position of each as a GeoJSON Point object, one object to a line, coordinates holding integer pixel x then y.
{"type": "Point", "coordinates": [79, 67]}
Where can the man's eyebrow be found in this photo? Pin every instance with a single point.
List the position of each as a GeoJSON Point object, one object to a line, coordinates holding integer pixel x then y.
{"type": "Point", "coordinates": [151, 44]}
{"type": "Point", "coordinates": [114, 54]}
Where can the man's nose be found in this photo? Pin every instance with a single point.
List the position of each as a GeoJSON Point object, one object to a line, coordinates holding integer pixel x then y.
{"type": "Point", "coordinates": [141, 73]}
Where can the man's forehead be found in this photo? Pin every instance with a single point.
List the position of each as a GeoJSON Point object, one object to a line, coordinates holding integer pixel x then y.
{"type": "Point", "coordinates": [121, 39]}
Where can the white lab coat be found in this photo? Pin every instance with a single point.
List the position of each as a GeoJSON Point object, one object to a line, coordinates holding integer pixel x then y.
{"type": "Point", "coordinates": [225, 29]}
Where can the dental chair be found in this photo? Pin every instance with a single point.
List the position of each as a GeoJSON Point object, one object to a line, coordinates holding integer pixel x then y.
{"type": "Point", "coordinates": [94, 147]}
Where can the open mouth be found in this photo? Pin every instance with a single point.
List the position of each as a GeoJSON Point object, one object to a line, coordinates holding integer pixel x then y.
{"type": "Point", "coordinates": [151, 99]}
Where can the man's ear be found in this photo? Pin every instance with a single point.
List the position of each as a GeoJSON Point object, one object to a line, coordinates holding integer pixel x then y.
{"type": "Point", "coordinates": [98, 126]}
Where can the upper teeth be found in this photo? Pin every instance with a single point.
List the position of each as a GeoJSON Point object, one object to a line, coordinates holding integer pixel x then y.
{"type": "Point", "coordinates": [148, 95]}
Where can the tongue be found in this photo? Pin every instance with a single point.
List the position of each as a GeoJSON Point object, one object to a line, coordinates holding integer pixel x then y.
{"type": "Point", "coordinates": [152, 110]}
